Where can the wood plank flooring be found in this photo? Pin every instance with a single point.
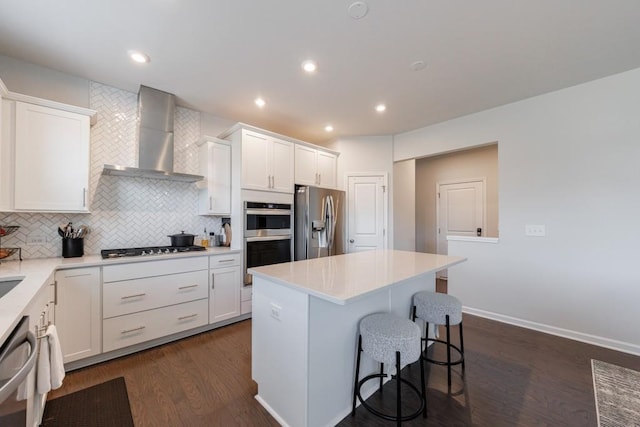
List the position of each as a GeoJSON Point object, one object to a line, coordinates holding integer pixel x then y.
{"type": "Point", "coordinates": [514, 377]}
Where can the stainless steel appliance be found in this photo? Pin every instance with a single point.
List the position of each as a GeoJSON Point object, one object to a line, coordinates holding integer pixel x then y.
{"type": "Point", "coordinates": [267, 235]}
{"type": "Point", "coordinates": [319, 222]}
{"type": "Point", "coordinates": [148, 250]}
{"type": "Point", "coordinates": [17, 360]}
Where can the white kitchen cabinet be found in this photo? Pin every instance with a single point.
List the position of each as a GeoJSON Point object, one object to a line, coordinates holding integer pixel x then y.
{"type": "Point", "coordinates": [315, 167]}
{"type": "Point", "coordinates": [51, 159]}
{"type": "Point", "coordinates": [41, 312]}
{"type": "Point", "coordinates": [245, 299]}
{"type": "Point", "coordinates": [78, 312]}
{"type": "Point", "coordinates": [215, 166]}
{"type": "Point", "coordinates": [226, 283]}
{"type": "Point", "coordinates": [267, 163]}
{"type": "Point", "coordinates": [7, 138]}
{"type": "Point", "coordinates": [148, 300]}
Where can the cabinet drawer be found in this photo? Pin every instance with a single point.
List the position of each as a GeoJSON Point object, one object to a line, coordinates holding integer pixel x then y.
{"type": "Point", "coordinates": [114, 273]}
{"type": "Point", "coordinates": [228, 260]}
{"type": "Point", "coordinates": [130, 296]}
{"type": "Point", "coordinates": [123, 331]}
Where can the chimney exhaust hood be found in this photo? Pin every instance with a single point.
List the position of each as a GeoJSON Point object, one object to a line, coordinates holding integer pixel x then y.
{"type": "Point", "coordinates": [155, 139]}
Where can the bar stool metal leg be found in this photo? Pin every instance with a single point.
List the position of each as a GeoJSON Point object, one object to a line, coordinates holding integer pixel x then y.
{"type": "Point", "coordinates": [355, 383]}
{"type": "Point", "coordinates": [448, 354]}
{"type": "Point", "coordinates": [461, 345]}
{"type": "Point", "coordinates": [398, 390]}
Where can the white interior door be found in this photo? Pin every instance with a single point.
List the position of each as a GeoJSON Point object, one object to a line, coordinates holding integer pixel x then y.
{"type": "Point", "coordinates": [367, 201]}
{"type": "Point", "coordinates": [461, 209]}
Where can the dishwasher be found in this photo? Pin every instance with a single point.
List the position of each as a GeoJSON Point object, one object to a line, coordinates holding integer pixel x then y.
{"type": "Point", "coordinates": [17, 360]}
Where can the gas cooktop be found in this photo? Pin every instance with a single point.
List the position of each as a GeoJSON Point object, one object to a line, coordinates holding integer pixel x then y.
{"type": "Point", "coordinates": [149, 250]}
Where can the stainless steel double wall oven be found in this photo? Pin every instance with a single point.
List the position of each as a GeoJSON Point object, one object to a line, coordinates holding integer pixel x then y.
{"type": "Point", "coordinates": [267, 235]}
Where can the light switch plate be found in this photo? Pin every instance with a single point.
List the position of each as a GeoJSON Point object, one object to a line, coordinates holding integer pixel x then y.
{"type": "Point", "coordinates": [535, 230]}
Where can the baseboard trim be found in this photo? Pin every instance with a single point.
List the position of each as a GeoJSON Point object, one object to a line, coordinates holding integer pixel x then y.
{"type": "Point", "coordinates": [622, 346]}
{"type": "Point", "coordinates": [271, 411]}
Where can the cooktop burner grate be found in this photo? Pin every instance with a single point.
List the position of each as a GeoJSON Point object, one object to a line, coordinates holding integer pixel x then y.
{"type": "Point", "coordinates": [149, 250]}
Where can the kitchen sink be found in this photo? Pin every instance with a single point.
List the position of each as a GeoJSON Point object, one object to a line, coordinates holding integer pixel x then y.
{"type": "Point", "coordinates": [7, 284]}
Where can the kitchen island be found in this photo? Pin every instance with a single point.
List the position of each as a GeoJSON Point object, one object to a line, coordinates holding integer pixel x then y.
{"type": "Point", "coordinates": [305, 323]}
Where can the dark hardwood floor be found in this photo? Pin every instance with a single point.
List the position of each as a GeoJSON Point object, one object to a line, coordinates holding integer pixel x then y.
{"type": "Point", "coordinates": [514, 377]}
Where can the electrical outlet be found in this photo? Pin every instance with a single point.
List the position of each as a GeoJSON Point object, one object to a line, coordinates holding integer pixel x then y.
{"type": "Point", "coordinates": [535, 230]}
{"type": "Point", "coordinates": [36, 239]}
{"type": "Point", "coordinates": [275, 311]}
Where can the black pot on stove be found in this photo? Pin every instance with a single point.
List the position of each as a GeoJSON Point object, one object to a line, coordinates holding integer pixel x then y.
{"type": "Point", "coordinates": [182, 239]}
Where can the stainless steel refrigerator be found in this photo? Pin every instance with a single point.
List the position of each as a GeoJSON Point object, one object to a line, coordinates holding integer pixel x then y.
{"type": "Point", "coordinates": [319, 219]}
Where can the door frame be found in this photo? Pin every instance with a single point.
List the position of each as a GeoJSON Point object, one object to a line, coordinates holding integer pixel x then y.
{"type": "Point", "coordinates": [385, 203]}
{"type": "Point", "coordinates": [460, 181]}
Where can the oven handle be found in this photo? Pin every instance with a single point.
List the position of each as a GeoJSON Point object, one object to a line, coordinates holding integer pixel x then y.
{"type": "Point", "coordinates": [267, 238]}
{"type": "Point", "coordinates": [8, 389]}
{"type": "Point", "coordinates": [267, 212]}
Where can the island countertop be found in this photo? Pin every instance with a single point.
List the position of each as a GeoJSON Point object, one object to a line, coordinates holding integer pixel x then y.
{"type": "Point", "coordinates": [342, 279]}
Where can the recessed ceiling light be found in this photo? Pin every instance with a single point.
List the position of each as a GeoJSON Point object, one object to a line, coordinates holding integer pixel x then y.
{"type": "Point", "coordinates": [309, 66]}
{"type": "Point", "coordinates": [358, 9]}
{"type": "Point", "coordinates": [260, 102]}
{"type": "Point", "coordinates": [418, 65]}
{"type": "Point", "coordinates": [381, 108]}
{"type": "Point", "coordinates": [328, 128]}
{"type": "Point", "coordinates": [139, 57]}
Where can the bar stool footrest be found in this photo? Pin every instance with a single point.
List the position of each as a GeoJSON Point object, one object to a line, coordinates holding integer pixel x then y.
{"type": "Point", "coordinates": [440, 362]}
{"type": "Point", "coordinates": [388, 416]}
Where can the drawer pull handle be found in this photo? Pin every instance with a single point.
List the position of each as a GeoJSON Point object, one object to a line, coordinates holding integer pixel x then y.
{"type": "Point", "coordinates": [134, 296]}
{"type": "Point", "coordinates": [128, 331]}
{"type": "Point", "coordinates": [187, 317]}
{"type": "Point", "coordinates": [226, 260]}
{"type": "Point", "coordinates": [187, 287]}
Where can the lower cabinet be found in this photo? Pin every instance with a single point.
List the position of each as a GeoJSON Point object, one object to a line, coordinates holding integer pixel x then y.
{"type": "Point", "coordinates": [77, 313]}
{"type": "Point", "coordinates": [224, 290]}
{"type": "Point", "coordinates": [130, 329]}
{"type": "Point", "coordinates": [139, 305]}
{"type": "Point", "coordinates": [245, 299]}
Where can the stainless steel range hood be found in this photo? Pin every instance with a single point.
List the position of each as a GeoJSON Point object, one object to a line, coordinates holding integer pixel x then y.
{"type": "Point", "coordinates": [155, 139]}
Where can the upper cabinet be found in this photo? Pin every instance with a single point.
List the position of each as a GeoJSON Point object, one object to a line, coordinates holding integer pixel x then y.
{"type": "Point", "coordinates": [215, 165]}
{"type": "Point", "coordinates": [46, 153]}
{"type": "Point", "coordinates": [315, 167]}
{"type": "Point", "coordinates": [267, 163]}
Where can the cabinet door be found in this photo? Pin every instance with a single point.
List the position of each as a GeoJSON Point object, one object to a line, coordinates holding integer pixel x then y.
{"type": "Point", "coordinates": [224, 297]}
{"type": "Point", "coordinates": [282, 166]}
{"type": "Point", "coordinates": [51, 159]}
{"type": "Point", "coordinates": [7, 138]}
{"type": "Point", "coordinates": [216, 167]}
{"type": "Point", "coordinates": [305, 165]}
{"type": "Point", "coordinates": [327, 169]}
{"type": "Point", "coordinates": [255, 157]}
{"type": "Point", "coordinates": [78, 317]}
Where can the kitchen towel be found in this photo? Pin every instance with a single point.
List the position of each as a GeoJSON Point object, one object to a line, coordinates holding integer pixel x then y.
{"type": "Point", "coordinates": [50, 365]}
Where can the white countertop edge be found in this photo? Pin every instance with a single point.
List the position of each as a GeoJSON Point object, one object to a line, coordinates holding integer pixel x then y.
{"type": "Point", "coordinates": [351, 299]}
{"type": "Point", "coordinates": [473, 239]}
{"type": "Point", "coordinates": [37, 271]}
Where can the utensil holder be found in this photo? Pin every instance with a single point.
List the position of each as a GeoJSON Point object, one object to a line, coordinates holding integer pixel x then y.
{"type": "Point", "coordinates": [72, 248]}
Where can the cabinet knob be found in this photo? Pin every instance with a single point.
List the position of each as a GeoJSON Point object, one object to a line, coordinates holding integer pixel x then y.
{"type": "Point", "coordinates": [351, 241]}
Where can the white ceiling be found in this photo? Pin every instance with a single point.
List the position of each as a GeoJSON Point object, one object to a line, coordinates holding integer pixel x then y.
{"type": "Point", "coordinates": [217, 56]}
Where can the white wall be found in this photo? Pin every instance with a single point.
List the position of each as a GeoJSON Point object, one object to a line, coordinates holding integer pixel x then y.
{"type": "Point", "coordinates": [30, 79]}
{"type": "Point", "coordinates": [404, 205]}
{"type": "Point", "coordinates": [569, 160]}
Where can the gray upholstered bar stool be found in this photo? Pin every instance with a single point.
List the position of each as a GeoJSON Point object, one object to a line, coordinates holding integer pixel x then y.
{"type": "Point", "coordinates": [388, 338]}
{"type": "Point", "coordinates": [440, 309]}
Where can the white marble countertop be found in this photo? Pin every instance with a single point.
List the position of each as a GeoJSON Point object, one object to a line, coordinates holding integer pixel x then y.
{"type": "Point", "coordinates": [36, 273]}
{"type": "Point", "coordinates": [342, 279]}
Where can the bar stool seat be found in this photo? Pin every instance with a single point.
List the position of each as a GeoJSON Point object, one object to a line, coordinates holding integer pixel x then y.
{"type": "Point", "coordinates": [440, 309]}
{"type": "Point", "coordinates": [388, 338]}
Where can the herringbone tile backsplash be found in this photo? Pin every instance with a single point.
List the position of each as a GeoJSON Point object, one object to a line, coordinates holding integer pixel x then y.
{"type": "Point", "coordinates": [125, 212]}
